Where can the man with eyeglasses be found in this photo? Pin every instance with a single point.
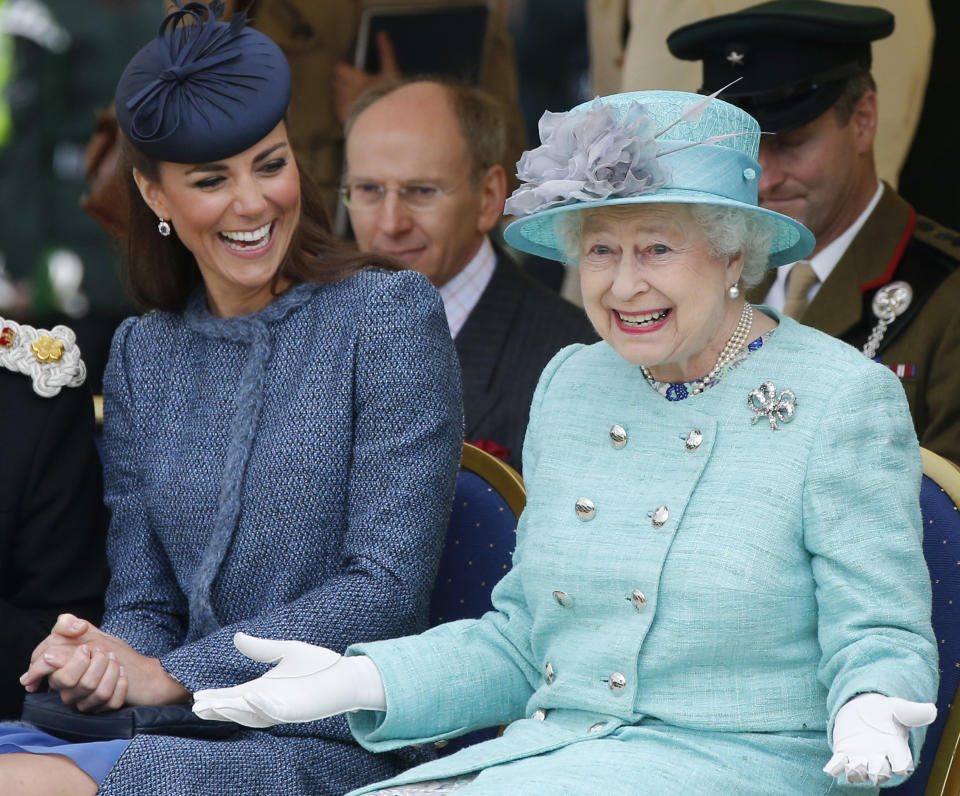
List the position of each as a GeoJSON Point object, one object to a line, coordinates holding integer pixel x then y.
{"type": "Point", "coordinates": [424, 185]}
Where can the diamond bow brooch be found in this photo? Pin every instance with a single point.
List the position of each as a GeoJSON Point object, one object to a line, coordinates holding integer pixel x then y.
{"type": "Point", "coordinates": [765, 402]}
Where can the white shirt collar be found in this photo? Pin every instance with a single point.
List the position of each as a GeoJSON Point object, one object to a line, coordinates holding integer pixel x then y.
{"type": "Point", "coordinates": [824, 261]}
{"type": "Point", "coordinates": [461, 294]}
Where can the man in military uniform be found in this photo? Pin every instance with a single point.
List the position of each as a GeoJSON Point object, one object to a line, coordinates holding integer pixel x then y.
{"type": "Point", "coordinates": [52, 518]}
{"type": "Point", "coordinates": [881, 277]}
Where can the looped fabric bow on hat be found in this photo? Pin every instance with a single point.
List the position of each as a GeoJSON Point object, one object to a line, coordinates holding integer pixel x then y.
{"type": "Point", "coordinates": [643, 147]}
{"type": "Point", "coordinates": [202, 90]}
{"type": "Point", "coordinates": [588, 156]}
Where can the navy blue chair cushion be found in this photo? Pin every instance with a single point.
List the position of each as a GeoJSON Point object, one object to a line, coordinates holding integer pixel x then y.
{"type": "Point", "coordinates": [941, 546]}
{"type": "Point", "coordinates": [477, 553]}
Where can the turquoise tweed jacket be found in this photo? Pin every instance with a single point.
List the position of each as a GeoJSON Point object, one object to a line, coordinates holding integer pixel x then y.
{"type": "Point", "coordinates": [289, 474]}
{"type": "Point", "coordinates": [699, 629]}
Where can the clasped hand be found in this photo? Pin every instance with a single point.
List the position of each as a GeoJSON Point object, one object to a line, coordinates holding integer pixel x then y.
{"type": "Point", "coordinates": [871, 734]}
{"type": "Point", "coordinates": [96, 671]}
{"type": "Point", "coordinates": [307, 683]}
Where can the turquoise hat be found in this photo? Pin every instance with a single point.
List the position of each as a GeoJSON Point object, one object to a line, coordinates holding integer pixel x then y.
{"type": "Point", "coordinates": [643, 147]}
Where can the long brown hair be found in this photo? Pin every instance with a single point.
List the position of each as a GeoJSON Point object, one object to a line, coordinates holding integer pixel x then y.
{"type": "Point", "coordinates": [160, 272]}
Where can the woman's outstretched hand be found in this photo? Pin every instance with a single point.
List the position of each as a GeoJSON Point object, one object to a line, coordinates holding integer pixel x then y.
{"type": "Point", "coordinates": [870, 737]}
{"type": "Point", "coordinates": [307, 683]}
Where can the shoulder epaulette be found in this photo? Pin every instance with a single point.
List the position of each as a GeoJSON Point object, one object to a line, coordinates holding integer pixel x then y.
{"type": "Point", "coordinates": [50, 358]}
{"type": "Point", "coordinates": [939, 237]}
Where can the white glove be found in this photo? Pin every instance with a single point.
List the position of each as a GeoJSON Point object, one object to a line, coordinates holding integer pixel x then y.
{"type": "Point", "coordinates": [870, 737]}
{"type": "Point", "coordinates": [308, 683]}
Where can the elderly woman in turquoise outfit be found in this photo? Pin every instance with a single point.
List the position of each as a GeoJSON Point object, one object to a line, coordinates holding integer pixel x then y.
{"type": "Point", "coordinates": [282, 435]}
{"type": "Point", "coordinates": [718, 585]}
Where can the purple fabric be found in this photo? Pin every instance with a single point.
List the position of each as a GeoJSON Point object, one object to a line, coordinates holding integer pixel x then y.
{"type": "Point", "coordinates": [95, 758]}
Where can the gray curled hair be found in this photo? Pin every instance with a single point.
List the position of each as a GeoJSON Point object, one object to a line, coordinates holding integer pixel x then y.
{"type": "Point", "coordinates": [728, 229]}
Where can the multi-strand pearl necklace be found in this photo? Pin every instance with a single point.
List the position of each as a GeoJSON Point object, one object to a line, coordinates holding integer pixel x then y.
{"type": "Point", "coordinates": [736, 342]}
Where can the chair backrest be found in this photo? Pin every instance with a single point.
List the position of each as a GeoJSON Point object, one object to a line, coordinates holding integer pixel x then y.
{"type": "Point", "coordinates": [480, 537]}
{"type": "Point", "coordinates": [938, 772]}
{"type": "Point", "coordinates": [477, 553]}
{"type": "Point", "coordinates": [98, 424]}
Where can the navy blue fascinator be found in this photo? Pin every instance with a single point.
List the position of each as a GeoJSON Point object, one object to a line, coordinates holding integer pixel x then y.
{"type": "Point", "coordinates": [202, 90]}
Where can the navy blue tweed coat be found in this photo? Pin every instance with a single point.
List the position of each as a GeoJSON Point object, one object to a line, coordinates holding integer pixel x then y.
{"type": "Point", "coordinates": [289, 474]}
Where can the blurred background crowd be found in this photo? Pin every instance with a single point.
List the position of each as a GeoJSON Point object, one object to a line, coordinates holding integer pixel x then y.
{"type": "Point", "coordinates": [60, 60]}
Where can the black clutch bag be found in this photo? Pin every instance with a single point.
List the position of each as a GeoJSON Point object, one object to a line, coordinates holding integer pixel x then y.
{"type": "Point", "coordinates": [47, 712]}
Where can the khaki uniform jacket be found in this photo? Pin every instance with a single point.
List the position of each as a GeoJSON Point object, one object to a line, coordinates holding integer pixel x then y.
{"type": "Point", "coordinates": [923, 345]}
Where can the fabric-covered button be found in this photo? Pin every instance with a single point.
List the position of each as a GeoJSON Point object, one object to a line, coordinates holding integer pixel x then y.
{"type": "Point", "coordinates": [617, 683]}
{"type": "Point", "coordinates": [548, 670]}
{"type": "Point", "coordinates": [539, 714]}
{"type": "Point", "coordinates": [585, 509]}
{"type": "Point", "coordinates": [563, 598]}
{"type": "Point", "coordinates": [693, 440]}
{"type": "Point", "coordinates": [618, 436]}
{"type": "Point", "coordinates": [600, 725]}
{"type": "Point", "coordinates": [660, 516]}
{"type": "Point", "coordinates": [639, 599]}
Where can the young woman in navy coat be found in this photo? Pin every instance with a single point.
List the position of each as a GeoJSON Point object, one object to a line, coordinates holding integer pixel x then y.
{"type": "Point", "coordinates": [282, 434]}
{"type": "Point", "coordinates": [719, 584]}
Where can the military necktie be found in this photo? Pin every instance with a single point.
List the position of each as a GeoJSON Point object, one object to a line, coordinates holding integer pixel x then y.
{"type": "Point", "coordinates": [799, 281]}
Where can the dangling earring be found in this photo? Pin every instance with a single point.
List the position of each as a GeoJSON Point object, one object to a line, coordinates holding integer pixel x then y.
{"type": "Point", "coordinates": [733, 291]}
{"type": "Point", "coordinates": [164, 228]}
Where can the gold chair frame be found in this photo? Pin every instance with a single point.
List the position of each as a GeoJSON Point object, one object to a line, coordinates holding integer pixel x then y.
{"type": "Point", "coordinates": [496, 472]}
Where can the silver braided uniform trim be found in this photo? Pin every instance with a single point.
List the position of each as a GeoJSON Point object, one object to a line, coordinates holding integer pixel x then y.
{"type": "Point", "coordinates": [889, 303]}
{"type": "Point", "coordinates": [48, 377]}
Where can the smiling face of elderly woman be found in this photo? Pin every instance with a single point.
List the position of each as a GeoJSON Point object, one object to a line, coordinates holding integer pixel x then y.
{"type": "Point", "coordinates": [655, 287]}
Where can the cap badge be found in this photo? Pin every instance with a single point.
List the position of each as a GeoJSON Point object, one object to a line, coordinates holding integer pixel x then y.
{"type": "Point", "coordinates": [765, 402]}
{"type": "Point", "coordinates": [735, 59]}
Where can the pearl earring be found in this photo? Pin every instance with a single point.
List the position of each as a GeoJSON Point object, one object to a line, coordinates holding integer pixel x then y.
{"type": "Point", "coordinates": [164, 228]}
{"type": "Point", "coordinates": [733, 291]}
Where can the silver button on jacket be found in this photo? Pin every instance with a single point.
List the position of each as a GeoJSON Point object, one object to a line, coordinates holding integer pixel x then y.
{"type": "Point", "coordinates": [618, 436]}
{"type": "Point", "coordinates": [693, 440]}
{"type": "Point", "coordinates": [585, 509]}
{"type": "Point", "coordinates": [617, 682]}
{"type": "Point", "coordinates": [660, 516]}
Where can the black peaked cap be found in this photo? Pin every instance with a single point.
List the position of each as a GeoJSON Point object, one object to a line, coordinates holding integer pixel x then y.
{"type": "Point", "coordinates": [793, 57]}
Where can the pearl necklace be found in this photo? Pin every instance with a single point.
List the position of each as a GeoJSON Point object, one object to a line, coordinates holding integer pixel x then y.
{"type": "Point", "coordinates": [736, 342]}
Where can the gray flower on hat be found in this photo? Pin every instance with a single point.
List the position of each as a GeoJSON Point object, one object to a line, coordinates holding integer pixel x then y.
{"type": "Point", "coordinates": [588, 156]}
